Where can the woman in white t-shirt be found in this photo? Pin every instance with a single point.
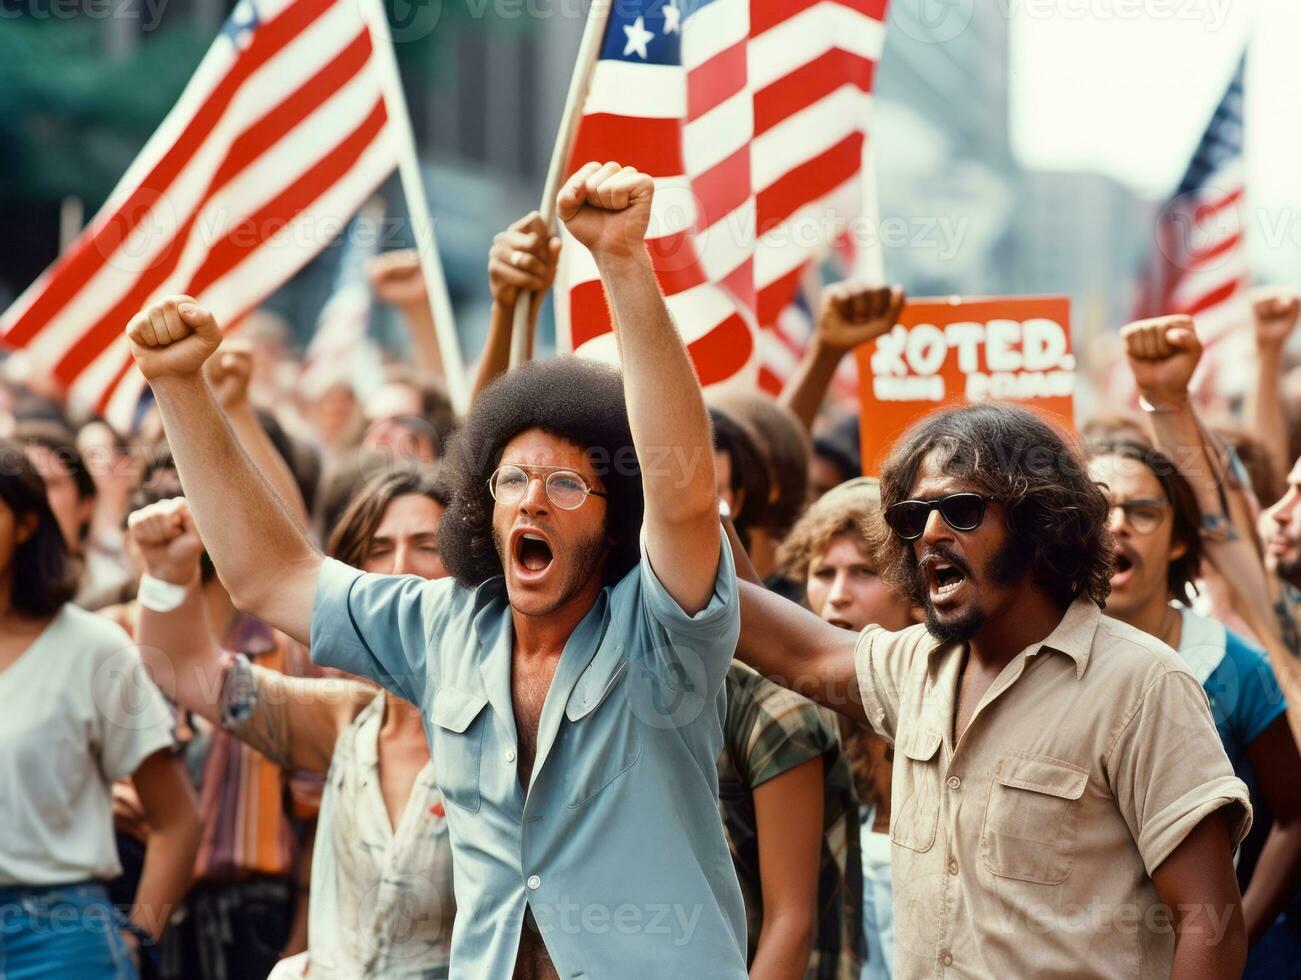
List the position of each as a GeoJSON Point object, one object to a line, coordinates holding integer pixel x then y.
{"type": "Point", "coordinates": [76, 713]}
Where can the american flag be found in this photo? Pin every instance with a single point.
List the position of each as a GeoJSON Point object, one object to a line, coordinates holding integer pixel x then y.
{"type": "Point", "coordinates": [282, 133]}
{"type": "Point", "coordinates": [1199, 265]}
{"type": "Point", "coordinates": [752, 116]}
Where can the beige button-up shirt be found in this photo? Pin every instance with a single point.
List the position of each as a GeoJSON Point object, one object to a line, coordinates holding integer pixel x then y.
{"type": "Point", "coordinates": [1026, 849]}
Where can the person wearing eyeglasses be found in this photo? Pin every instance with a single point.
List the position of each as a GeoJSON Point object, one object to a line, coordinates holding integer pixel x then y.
{"type": "Point", "coordinates": [1155, 521]}
{"type": "Point", "coordinates": [571, 670]}
{"type": "Point", "coordinates": [1061, 805]}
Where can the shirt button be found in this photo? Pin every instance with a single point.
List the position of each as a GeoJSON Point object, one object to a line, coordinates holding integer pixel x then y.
{"type": "Point", "coordinates": [953, 866]}
{"type": "Point", "coordinates": [534, 882]}
{"type": "Point", "coordinates": [510, 755]}
{"type": "Point", "coordinates": [953, 782]}
{"type": "Point", "coordinates": [946, 958]}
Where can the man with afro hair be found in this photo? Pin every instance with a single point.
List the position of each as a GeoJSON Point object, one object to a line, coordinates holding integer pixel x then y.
{"type": "Point", "coordinates": [570, 672]}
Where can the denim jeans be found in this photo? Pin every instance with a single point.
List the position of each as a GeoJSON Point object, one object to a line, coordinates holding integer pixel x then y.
{"type": "Point", "coordinates": [61, 931]}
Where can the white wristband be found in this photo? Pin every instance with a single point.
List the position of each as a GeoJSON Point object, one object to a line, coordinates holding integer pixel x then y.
{"type": "Point", "coordinates": [158, 595]}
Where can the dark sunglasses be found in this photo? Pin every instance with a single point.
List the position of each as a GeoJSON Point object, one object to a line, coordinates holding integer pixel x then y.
{"type": "Point", "coordinates": [961, 511]}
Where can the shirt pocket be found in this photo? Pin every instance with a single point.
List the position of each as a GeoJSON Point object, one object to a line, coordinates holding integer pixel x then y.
{"type": "Point", "coordinates": [460, 720]}
{"type": "Point", "coordinates": [915, 798]}
{"type": "Point", "coordinates": [1031, 819]}
{"type": "Point", "coordinates": [602, 737]}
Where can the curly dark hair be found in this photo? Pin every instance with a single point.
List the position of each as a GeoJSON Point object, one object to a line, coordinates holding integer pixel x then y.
{"type": "Point", "coordinates": [1056, 517]}
{"type": "Point", "coordinates": [1181, 577]}
{"type": "Point", "coordinates": [572, 399]}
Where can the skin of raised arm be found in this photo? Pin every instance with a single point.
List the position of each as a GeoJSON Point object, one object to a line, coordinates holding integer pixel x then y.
{"type": "Point", "coordinates": [1163, 354]}
{"type": "Point", "coordinates": [1274, 316]}
{"type": "Point", "coordinates": [263, 557]}
{"type": "Point", "coordinates": [788, 822]}
{"type": "Point", "coordinates": [396, 278]}
{"type": "Point", "coordinates": [522, 259]}
{"type": "Point", "coordinates": [172, 814]}
{"type": "Point", "coordinates": [607, 209]}
{"type": "Point", "coordinates": [1273, 757]}
{"type": "Point", "coordinates": [849, 315]}
{"type": "Point", "coordinates": [1196, 882]}
{"type": "Point", "coordinates": [300, 717]}
{"type": "Point", "coordinates": [229, 371]}
{"type": "Point", "coordinates": [793, 647]}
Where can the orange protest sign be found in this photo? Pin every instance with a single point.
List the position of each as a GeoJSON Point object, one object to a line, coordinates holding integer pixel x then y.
{"type": "Point", "coordinates": [955, 350]}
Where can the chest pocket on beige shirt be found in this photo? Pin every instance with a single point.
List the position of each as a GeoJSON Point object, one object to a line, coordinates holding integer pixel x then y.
{"type": "Point", "coordinates": [915, 797]}
{"type": "Point", "coordinates": [1032, 818]}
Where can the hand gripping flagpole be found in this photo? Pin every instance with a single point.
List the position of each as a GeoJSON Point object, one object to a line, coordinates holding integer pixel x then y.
{"type": "Point", "coordinates": [413, 188]}
{"type": "Point", "coordinates": [589, 51]}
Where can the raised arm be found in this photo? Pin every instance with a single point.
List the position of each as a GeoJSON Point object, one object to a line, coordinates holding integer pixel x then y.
{"type": "Point", "coordinates": [396, 278]}
{"type": "Point", "coordinates": [1274, 317]}
{"type": "Point", "coordinates": [522, 260]}
{"type": "Point", "coordinates": [263, 557]}
{"type": "Point", "coordinates": [849, 315]}
{"type": "Point", "coordinates": [229, 372]}
{"type": "Point", "coordinates": [294, 721]}
{"type": "Point", "coordinates": [607, 208]}
{"type": "Point", "coordinates": [1163, 354]}
{"type": "Point", "coordinates": [794, 648]}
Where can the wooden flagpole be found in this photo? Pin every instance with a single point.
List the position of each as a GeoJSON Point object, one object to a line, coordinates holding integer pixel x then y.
{"type": "Point", "coordinates": [413, 188]}
{"type": "Point", "coordinates": [589, 51]}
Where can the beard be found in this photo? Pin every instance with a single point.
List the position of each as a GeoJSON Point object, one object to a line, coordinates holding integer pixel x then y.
{"type": "Point", "coordinates": [1007, 567]}
{"type": "Point", "coordinates": [584, 559]}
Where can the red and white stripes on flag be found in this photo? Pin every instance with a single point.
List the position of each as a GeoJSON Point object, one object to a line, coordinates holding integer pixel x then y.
{"type": "Point", "coordinates": [1199, 265]}
{"type": "Point", "coordinates": [752, 116]}
{"type": "Point", "coordinates": [282, 133]}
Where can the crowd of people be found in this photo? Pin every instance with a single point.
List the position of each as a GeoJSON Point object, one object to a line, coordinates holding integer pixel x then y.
{"type": "Point", "coordinates": [612, 677]}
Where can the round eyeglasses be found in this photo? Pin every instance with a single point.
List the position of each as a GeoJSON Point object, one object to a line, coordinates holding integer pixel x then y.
{"type": "Point", "coordinates": [961, 511]}
{"type": "Point", "coordinates": [565, 488]}
{"type": "Point", "coordinates": [1144, 516]}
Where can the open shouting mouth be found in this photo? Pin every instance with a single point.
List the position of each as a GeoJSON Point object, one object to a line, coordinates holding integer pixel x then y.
{"type": "Point", "coordinates": [1123, 573]}
{"type": "Point", "coordinates": [531, 554]}
{"type": "Point", "coordinates": [945, 580]}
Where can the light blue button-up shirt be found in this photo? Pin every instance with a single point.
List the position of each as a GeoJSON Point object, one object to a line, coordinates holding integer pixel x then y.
{"type": "Point", "coordinates": [617, 847]}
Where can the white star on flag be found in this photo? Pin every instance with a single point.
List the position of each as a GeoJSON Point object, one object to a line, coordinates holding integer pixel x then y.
{"type": "Point", "coordinates": [672, 17]}
{"type": "Point", "coordinates": [637, 38]}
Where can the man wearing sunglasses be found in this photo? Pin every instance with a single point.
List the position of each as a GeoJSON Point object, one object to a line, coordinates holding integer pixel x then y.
{"type": "Point", "coordinates": [1058, 780]}
{"type": "Point", "coordinates": [571, 670]}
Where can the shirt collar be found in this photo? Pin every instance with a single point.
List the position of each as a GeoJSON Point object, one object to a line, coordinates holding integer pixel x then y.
{"type": "Point", "coordinates": [1072, 636]}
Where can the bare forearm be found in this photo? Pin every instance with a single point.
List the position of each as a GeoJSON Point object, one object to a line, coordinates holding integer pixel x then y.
{"type": "Point", "coordinates": [264, 455]}
{"type": "Point", "coordinates": [794, 648]}
{"type": "Point", "coordinates": [178, 650]}
{"type": "Point", "coordinates": [1264, 407]}
{"type": "Point", "coordinates": [1273, 881]}
{"type": "Point", "coordinates": [496, 351]}
{"type": "Point", "coordinates": [262, 556]}
{"type": "Point", "coordinates": [424, 338]}
{"type": "Point", "coordinates": [805, 391]}
{"type": "Point", "coordinates": [670, 426]}
{"type": "Point", "coordinates": [785, 942]}
{"type": "Point", "coordinates": [168, 867]}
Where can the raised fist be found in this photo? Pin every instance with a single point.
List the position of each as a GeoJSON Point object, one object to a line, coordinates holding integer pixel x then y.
{"type": "Point", "coordinates": [1163, 353]}
{"type": "Point", "coordinates": [1274, 312]}
{"type": "Point", "coordinates": [229, 372]}
{"type": "Point", "coordinates": [396, 277]}
{"type": "Point", "coordinates": [168, 540]}
{"type": "Point", "coordinates": [850, 314]}
{"type": "Point", "coordinates": [523, 257]}
{"type": "Point", "coordinates": [173, 338]}
{"type": "Point", "coordinates": [607, 208]}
